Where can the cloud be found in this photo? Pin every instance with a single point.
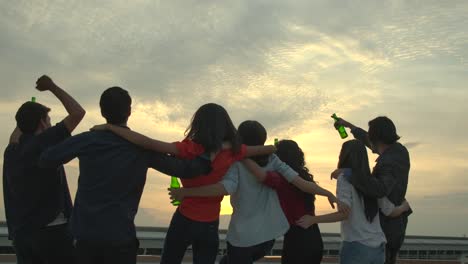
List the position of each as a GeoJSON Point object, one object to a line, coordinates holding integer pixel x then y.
{"type": "Point", "coordinates": [286, 64]}
{"type": "Point", "coordinates": [411, 145]}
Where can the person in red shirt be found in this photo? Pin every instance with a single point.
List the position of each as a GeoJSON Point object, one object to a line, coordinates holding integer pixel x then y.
{"type": "Point", "coordinates": [300, 245]}
{"type": "Point", "coordinates": [196, 221]}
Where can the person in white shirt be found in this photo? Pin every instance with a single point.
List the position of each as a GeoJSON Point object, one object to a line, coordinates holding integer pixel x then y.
{"type": "Point", "coordinates": [363, 238]}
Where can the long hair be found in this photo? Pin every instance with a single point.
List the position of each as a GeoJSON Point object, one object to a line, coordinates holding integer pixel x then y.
{"type": "Point", "coordinates": [290, 153]}
{"type": "Point", "coordinates": [252, 133]}
{"type": "Point", "coordinates": [211, 126]}
{"type": "Point", "coordinates": [354, 155]}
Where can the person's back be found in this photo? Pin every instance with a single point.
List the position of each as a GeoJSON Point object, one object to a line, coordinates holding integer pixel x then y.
{"type": "Point", "coordinates": [34, 196]}
{"type": "Point", "coordinates": [107, 197]}
{"type": "Point", "coordinates": [257, 216]}
{"type": "Point", "coordinates": [397, 155]}
{"type": "Point", "coordinates": [206, 209]}
{"type": "Point", "coordinates": [357, 228]}
{"type": "Point", "coordinates": [37, 200]}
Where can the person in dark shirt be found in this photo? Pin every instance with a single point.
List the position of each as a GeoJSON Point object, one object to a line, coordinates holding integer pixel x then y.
{"type": "Point", "coordinates": [110, 185]}
{"type": "Point", "coordinates": [391, 176]}
{"type": "Point", "coordinates": [37, 200]}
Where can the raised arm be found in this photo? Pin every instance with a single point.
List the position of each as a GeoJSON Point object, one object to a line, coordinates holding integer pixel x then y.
{"type": "Point", "coordinates": [358, 133]}
{"type": "Point", "coordinates": [216, 189]}
{"type": "Point", "coordinates": [139, 139]}
{"type": "Point", "coordinates": [73, 108]}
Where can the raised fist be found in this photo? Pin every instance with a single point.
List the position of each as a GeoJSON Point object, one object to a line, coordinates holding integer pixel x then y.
{"type": "Point", "coordinates": [45, 83]}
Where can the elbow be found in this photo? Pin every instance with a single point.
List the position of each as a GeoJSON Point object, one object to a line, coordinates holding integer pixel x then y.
{"type": "Point", "coordinates": [344, 215]}
{"type": "Point", "coordinates": [79, 114]}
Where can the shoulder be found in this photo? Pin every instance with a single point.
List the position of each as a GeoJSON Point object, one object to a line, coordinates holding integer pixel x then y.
{"type": "Point", "coordinates": [9, 150]}
{"type": "Point", "coordinates": [235, 169]}
{"type": "Point", "coordinates": [396, 153]}
{"type": "Point", "coordinates": [189, 149]}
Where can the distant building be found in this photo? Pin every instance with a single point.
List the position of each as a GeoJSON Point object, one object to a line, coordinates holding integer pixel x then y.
{"type": "Point", "coordinates": [416, 249]}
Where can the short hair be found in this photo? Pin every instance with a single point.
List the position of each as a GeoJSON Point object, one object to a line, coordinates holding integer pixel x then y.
{"type": "Point", "coordinates": [115, 105]}
{"type": "Point", "coordinates": [29, 115]}
{"type": "Point", "coordinates": [252, 133]}
{"type": "Point", "coordinates": [382, 129]}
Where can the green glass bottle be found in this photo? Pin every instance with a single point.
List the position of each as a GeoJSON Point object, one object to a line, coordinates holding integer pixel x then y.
{"type": "Point", "coordinates": [33, 99]}
{"type": "Point", "coordinates": [341, 129]}
{"type": "Point", "coordinates": [175, 185]}
{"type": "Point", "coordinates": [276, 142]}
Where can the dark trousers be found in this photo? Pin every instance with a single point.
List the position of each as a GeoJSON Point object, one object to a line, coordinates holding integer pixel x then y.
{"type": "Point", "coordinates": [395, 230]}
{"type": "Point", "coordinates": [183, 232]}
{"type": "Point", "coordinates": [301, 246]}
{"type": "Point", "coordinates": [51, 245]}
{"type": "Point", "coordinates": [246, 255]}
{"type": "Point", "coordinates": [91, 252]}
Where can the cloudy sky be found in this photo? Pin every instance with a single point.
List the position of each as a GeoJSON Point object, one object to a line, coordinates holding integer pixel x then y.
{"type": "Point", "coordinates": [287, 64]}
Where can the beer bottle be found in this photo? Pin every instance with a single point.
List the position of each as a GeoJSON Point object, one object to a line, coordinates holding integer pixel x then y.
{"type": "Point", "coordinates": [341, 129]}
{"type": "Point", "coordinates": [175, 185]}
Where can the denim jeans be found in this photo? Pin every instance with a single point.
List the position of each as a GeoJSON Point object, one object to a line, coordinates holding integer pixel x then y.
{"type": "Point", "coordinates": [183, 232]}
{"type": "Point", "coordinates": [357, 253]}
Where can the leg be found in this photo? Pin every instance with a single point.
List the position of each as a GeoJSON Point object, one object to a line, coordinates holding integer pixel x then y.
{"type": "Point", "coordinates": [23, 250]}
{"type": "Point", "coordinates": [223, 260]}
{"type": "Point", "coordinates": [121, 254]}
{"type": "Point", "coordinates": [302, 245]}
{"type": "Point", "coordinates": [178, 238]}
{"type": "Point", "coordinates": [205, 244]}
{"type": "Point", "coordinates": [261, 250]}
{"type": "Point", "coordinates": [239, 255]}
{"type": "Point", "coordinates": [379, 255]}
{"type": "Point", "coordinates": [395, 230]}
{"type": "Point", "coordinates": [311, 246]}
{"type": "Point", "coordinates": [56, 244]}
{"type": "Point", "coordinates": [88, 253]}
{"type": "Point", "coordinates": [289, 247]}
{"type": "Point", "coordinates": [353, 253]}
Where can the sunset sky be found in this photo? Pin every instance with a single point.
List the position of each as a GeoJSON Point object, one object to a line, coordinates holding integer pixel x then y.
{"type": "Point", "coordinates": [287, 64]}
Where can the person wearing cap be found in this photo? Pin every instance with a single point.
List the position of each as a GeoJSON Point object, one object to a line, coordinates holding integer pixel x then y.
{"type": "Point", "coordinates": [390, 176]}
{"type": "Point", "coordinates": [37, 200]}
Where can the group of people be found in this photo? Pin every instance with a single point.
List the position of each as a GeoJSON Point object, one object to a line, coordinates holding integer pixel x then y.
{"type": "Point", "coordinates": [272, 191]}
